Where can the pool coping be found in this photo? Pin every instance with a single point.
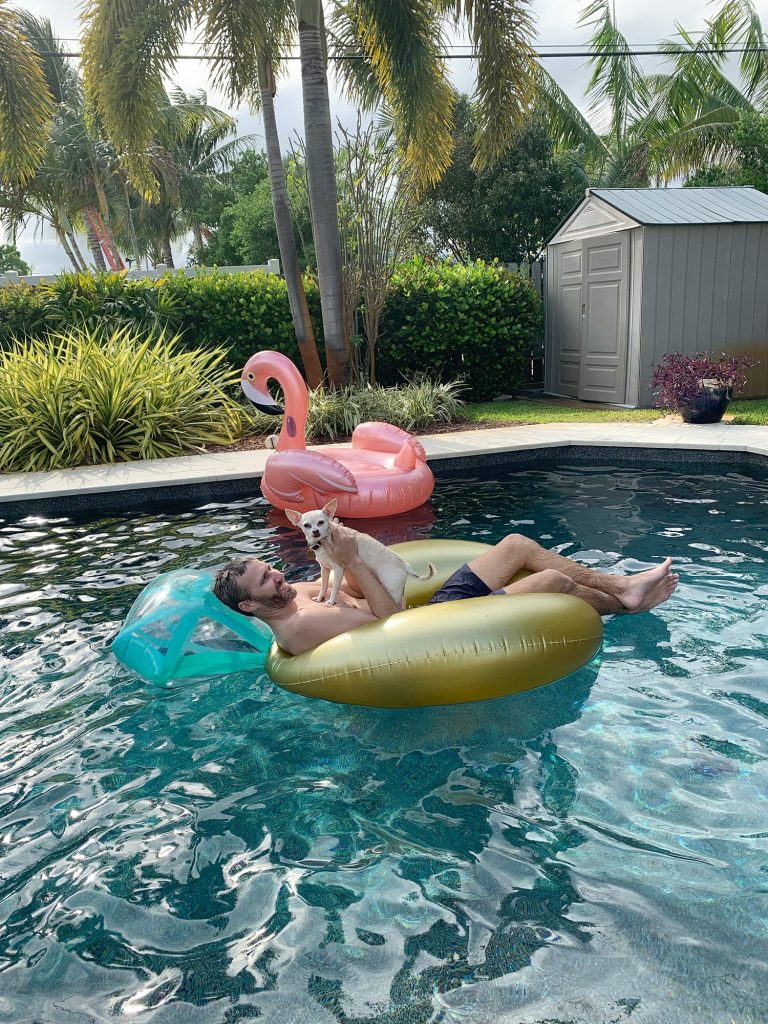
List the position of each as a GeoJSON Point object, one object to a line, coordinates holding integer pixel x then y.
{"type": "Point", "coordinates": [233, 474]}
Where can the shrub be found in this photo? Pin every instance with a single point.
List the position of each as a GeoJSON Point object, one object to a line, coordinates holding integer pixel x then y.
{"type": "Point", "coordinates": [241, 313]}
{"type": "Point", "coordinates": [476, 322]}
{"type": "Point", "coordinates": [22, 313]}
{"type": "Point", "coordinates": [88, 301]}
{"type": "Point", "coordinates": [677, 379]}
{"type": "Point", "coordinates": [334, 414]}
{"type": "Point", "coordinates": [80, 397]}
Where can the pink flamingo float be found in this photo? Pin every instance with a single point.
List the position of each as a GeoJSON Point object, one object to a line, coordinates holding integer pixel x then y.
{"type": "Point", "coordinates": [384, 473]}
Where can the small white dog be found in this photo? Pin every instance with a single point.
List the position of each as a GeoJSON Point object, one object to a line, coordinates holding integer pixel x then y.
{"type": "Point", "coordinates": [391, 570]}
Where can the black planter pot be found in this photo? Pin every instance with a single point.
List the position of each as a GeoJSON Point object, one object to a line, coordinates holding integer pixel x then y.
{"type": "Point", "coordinates": [709, 406]}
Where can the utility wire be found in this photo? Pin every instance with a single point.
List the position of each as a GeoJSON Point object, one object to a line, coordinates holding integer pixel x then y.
{"type": "Point", "coordinates": [471, 56]}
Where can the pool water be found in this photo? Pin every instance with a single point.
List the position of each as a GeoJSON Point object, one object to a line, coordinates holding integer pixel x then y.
{"type": "Point", "coordinates": [595, 851]}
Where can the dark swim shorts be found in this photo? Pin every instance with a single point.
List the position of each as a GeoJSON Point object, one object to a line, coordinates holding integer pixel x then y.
{"type": "Point", "coordinates": [463, 584]}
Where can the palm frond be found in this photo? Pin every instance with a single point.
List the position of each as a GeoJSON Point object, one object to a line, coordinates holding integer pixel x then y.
{"type": "Point", "coordinates": [129, 47]}
{"type": "Point", "coordinates": [617, 78]}
{"type": "Point", "coordinates": [402, 42]}
{"type": "Point", "coordinates": [26, 103]}
{"type": "Point", "coordinates": [235, 32]}
{"type": "Point", "coordinates": [60, 76]}
{"type": "Point", "coordinates": [501, 32]}
{"type": "Point", "coordinates": [738, 23]}
{"type": "Point", "coordinates": [568, 127]}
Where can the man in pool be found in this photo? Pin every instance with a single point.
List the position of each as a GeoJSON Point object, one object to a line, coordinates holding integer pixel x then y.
{"type": "Point", "coordinates": [299, 623]}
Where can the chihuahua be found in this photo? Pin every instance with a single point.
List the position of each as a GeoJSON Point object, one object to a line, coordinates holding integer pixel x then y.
{"type": "Point", "coordinates": [391, 570]}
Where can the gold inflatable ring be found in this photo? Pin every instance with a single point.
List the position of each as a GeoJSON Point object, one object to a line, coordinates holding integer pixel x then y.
{"type": "Point", "coordinates": [449, 653]}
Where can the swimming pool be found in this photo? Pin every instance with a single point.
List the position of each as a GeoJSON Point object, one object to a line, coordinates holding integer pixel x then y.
{"type": "Point", "coordinates": [593, 851]}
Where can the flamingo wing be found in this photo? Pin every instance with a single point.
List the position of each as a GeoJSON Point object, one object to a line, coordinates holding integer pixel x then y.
{"type": "Point", "coordinates": [386, 437]}
{"type": "Point", "coordinates": [290, 472]}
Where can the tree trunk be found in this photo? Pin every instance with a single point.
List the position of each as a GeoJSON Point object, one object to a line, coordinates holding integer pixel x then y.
{"type": "Point", "coordinates": [104, 210]}
{"type": "Point", "coordinates": [66, 236]}
{"type": "Point", "coordinates": [168, 254]}
{"type": "Point", "coordinates": [297, 298]}
{"type": "Point", "coordinates": [62, 237]}
{"type": "Point", "coordinates": [131, 226]}
{"type": "Point", "coordinates": [197, 233]}
{"type": "Point", "coordinates": [95, 246]}
{"type": "Point", "coordinates": [76, 249]}
{"type": "Point", "coordinates": [321, 172]}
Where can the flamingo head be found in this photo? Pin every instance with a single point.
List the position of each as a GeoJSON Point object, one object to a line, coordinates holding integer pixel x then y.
{"type": "Point", "coordinates": [253, 381]}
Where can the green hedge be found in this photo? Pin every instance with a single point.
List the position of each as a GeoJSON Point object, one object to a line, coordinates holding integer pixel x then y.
{"type": "Point", "coordinates": [87, 302]}
{"type": "Point", "coordinates": [240, 313]}
{"type": "Point", "coordinates": [476, 322]}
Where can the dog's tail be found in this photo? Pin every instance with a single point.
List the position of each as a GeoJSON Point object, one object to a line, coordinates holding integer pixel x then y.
{"type": "Point", "coordinates": [416, 576]}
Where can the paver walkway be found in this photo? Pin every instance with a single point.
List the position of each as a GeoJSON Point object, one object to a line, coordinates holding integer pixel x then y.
{"type": "Point", "coordinates": [192, 469]}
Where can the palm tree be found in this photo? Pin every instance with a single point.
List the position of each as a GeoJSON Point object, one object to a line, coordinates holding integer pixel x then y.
{"type": "Point", "coordinates": [696, 105]}
{"type": "Point", "coordinates": [297, 298]}
{"type": "Point", "coordinates": [191, 145]}
{"type": "Point", "coordinates": [26, 104]}
{"type": "Point", "coordinates": [616, 152]}
{"type": "Point", "coordinates": [321, 176]}
{"type": "Point", "coordinates": [396, 47]}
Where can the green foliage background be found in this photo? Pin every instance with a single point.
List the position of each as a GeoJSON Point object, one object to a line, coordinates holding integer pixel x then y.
{"type": "Point", "coordinates": [474, 322]}
{"type": "Point", "coordinates": [506, 211]}
{"type": "Point", "coordinates": [750, 140]}
{"type": "Point", "coordinates": [10, 259]}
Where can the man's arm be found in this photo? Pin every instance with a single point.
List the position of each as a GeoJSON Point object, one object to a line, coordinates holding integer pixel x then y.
{"type": "Point", "coordinates": [342, 546]}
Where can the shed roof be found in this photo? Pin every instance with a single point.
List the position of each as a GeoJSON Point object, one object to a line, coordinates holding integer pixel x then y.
{"type": "Point", "coordinates": [738, 204]}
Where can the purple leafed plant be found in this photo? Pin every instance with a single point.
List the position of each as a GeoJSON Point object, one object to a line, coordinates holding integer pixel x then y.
{"type": "Point", "coordinates": [677, 379]}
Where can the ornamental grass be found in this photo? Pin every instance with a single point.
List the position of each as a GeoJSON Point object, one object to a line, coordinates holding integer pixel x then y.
{"type": "Point", "coordinates": [84, 396]}
{"type": "Point", "coordinates": [335, 414]}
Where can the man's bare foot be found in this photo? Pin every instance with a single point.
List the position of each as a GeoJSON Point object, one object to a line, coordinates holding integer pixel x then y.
{"type": "Point", "coordinates": [647, 589]}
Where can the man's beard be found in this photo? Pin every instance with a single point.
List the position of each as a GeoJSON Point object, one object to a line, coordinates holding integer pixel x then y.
{"type": "Point", "coordinates": [282, 598]}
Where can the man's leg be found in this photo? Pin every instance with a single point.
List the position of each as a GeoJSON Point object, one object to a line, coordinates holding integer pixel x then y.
{"type": "Point", "coordinates": [632, 593]}
{"type": "Point", "coordinates": [550, 581]}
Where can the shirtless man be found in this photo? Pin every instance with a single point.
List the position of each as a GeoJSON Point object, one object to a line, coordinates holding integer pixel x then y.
{"type": "Point", "coordinates": [255, 588]}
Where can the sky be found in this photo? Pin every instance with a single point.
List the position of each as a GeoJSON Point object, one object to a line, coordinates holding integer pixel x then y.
{"type": "Point", "coordinates": [556, 24]}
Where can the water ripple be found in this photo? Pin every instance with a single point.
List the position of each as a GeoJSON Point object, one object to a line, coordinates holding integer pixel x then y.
{"type": "Point", "coordinates": [221, 851]}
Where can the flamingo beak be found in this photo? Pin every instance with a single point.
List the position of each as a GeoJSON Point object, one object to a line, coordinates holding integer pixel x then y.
{"type": "Point", "coordinates": [261, 399]}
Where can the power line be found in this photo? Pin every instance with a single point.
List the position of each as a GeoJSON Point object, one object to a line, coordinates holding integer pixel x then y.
{"type": "Point", "coordinates": [703, 51]}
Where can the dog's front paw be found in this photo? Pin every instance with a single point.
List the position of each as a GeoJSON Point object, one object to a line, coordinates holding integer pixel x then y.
{"type": "Point", "coordinates": [319, 599]}
{"type": "Point", "coordinates": [331, 601]}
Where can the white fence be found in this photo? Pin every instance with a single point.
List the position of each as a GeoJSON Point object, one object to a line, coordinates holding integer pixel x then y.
{"type": "Point", "coordinates": [271, 267]}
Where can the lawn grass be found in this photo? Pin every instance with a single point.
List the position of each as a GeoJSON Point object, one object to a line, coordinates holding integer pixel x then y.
{"type": "Point", "coordinates": [520, 411]}
{"type": "Point", "coordinates": [744, 411]}
{"type": "Point", "coordinates": [752, 411]}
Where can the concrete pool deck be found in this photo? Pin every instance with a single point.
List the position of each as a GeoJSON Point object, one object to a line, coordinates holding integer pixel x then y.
{"type": "Point", "coordinates": [230, 466]}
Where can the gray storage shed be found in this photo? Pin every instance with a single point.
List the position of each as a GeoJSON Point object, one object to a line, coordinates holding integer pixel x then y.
{"type": "Point", "coordinates": [633, 273]}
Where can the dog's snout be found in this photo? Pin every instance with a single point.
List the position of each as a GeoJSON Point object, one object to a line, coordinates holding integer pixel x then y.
{"type": "Point", "coordinates": [315, 533]}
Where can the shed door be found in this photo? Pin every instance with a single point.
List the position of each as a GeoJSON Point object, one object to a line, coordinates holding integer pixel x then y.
{"type": "Point", "coordinates": [604, 337]}
{"type": "Point", "coordinates": [566, 319]}
{"type": "Point", "coordinates": [589, 322]}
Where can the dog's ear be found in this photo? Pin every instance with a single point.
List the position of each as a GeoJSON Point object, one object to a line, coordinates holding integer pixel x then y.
{"type": "Point", "coordinates": [330, 508]}
{"type": "Point", "coordinates": [293, 516]}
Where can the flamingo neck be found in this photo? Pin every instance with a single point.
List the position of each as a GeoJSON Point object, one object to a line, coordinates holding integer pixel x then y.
{"type": "Point", "coordinates": [295, 419]}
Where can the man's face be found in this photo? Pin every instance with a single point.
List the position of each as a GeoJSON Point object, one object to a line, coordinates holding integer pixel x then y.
{"type": "Point", "coordinates": [266, 587]}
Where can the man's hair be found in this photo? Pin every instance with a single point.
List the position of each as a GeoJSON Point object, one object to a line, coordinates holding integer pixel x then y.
{"type": "Point", "coordinates": [228, 585]}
